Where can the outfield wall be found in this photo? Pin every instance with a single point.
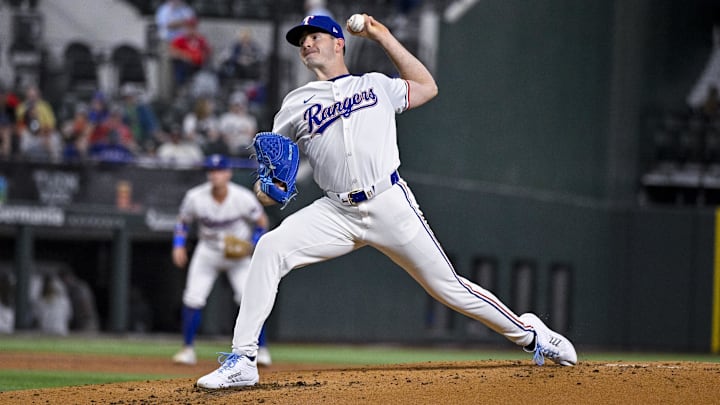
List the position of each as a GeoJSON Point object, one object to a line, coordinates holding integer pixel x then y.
{"type": "Point", "coordinates": [606, 275]}
{"type": "Point", "coordinates": [639, 278]}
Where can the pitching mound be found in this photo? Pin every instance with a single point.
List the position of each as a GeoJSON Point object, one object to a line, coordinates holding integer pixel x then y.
{"type": "Point", "coordinates": [489, 382]}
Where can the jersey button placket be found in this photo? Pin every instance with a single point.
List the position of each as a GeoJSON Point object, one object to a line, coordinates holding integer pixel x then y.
{"type": "Point", "coordinates": [348, 144]}
{"type": "Point", "coordinates": [349, 156]}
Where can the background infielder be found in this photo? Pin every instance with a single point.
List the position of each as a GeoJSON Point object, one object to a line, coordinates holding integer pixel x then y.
{"type": "Point", "coordinates": [230, 221]}
{"type": "Point", "coordinates": [345, 125]}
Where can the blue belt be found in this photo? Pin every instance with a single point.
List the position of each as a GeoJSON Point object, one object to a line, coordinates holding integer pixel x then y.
{"type": "Point", "coordinates": [358, 196]}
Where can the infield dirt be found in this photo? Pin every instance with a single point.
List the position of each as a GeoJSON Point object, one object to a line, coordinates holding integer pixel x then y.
{"type": "Point", "coordinates": [487, 382]}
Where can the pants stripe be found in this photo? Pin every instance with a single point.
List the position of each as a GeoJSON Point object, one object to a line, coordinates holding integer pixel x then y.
{"type": "Point", "coordinates": [500, 308]}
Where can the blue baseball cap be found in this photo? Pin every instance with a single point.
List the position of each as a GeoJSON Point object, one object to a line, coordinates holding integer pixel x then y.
{"type": "Point", "coordinates": [216, 162]}
{"type": "Point", "coordinates": [314, 23]}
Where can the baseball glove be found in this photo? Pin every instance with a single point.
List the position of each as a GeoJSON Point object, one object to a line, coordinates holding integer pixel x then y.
{"type": "Point", "coordinates": [236, 248]}
{"type": "Point", "coordinates": [278, 160]}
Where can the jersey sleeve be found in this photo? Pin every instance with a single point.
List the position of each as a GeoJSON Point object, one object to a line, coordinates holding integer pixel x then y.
{"type": "Point", "coordinates": [255, 209]}
{"type": "Point", "coordinates": [283, 123]}
{"type": "Point", "coordinates": [397, 90]}
{"type": "Point", "coordinates": [186, 214]}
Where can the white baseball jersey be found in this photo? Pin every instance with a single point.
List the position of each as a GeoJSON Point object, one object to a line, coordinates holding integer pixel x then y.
{"type": "Point", "coordinates": [236, 215]}
{"type": "Point", "coordinates": [346, 129]}
{"type": "Point", "coordinates": [322, 116]}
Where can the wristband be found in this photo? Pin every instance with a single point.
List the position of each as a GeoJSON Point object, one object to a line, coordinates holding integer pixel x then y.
{"type": "Point", "coordinates": [180, 235]}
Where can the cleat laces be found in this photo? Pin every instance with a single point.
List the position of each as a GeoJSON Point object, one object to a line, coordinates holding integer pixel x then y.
{"type": "Point", "coordinates": [538, 357]}
{"type": "Point", "coordinates": [228, 360]}
{"type": "Point", "coordinates": [541, 352]}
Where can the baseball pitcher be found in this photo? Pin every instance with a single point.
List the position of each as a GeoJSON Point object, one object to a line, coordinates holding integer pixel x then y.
{"type": "Point", "coordinates": [345, 126]}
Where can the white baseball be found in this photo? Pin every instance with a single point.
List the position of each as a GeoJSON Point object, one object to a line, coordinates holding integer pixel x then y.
{"type": "Point", "coordinates": [356, 22]}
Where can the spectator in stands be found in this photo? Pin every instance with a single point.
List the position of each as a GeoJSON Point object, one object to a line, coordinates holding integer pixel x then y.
{"type": "Point", "coordinates": [140, 117]}
{"type": "Point", "coordinates": [178, 151]}
{"type": "Point", "coordinates": [7, 301]}
{"type": "Point", "coordinates": [76, 133]}
{"type": "Point", "coordinates": [189, 53]}
{"type": "Point", "coordinates": [245, 58]}
{"type": "Point", "coordinates": [11, 101]}
{"type": "Point", "coordinates": [317, 7]}
{"type": "Point", "coordinates": [256, 93]}
{"type": "Point", "coordinates": [36, 126]}
{"type": "Point", "coordinates": [201, 124]}
{"type": "Point", "coordinates": [238, 126]}
{"type": "Point", "coordinates": [85, 315]}
{"type": "Point", "coordinates": [7, 117]}
{"type": "Point", "coordinates": [99, 108]}
{"type": "Point", "coordinates": [7, 318]}
{"type": "Point", "coordinates": [170, 17]}
{"type": "Point", "coordinates": [53, 309]}
{"type": "Point", "coordinates": [112, 140]}
{"type": "Point", "coordinates": [204, 83]}
{"type": "Point", "coordinates": [215, 145]}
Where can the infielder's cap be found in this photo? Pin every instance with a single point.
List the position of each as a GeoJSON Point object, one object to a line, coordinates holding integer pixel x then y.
{"type": "Point", "coordinates": [216, 162]}
{"type": "Point", "coordinates": [314, 23]}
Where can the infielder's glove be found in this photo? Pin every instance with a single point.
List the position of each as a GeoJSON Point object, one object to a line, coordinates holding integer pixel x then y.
{"type": "Point", "coordinates": [278, 160]}
{"type": "Point", "coordinates": [236, 248]}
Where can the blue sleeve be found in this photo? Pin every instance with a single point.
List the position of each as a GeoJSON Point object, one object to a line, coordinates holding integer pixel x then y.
{"type": "Point", "coordinates": [259, 231]}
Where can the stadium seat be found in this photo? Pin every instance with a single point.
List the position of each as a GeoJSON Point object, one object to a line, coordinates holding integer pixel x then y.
{"type": "Point", "coordinates": [129, 64]}
{"type": "Point", "coordinates": [81, 68]}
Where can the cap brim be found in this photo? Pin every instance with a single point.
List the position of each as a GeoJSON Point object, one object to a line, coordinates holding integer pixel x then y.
{"type": "Point", "coordinates": [294, 35]}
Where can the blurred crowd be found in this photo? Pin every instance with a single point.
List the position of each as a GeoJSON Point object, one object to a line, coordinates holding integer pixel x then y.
{"type": "Point", "coordinates": [124, 128]}
{"type": "Point", "coordinates": [209, 109]}
{"type": "Point", "coordinates": [203, 101]}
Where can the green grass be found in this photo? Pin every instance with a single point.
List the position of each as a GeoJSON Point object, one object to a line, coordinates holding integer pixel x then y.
{"type": "Point", "coordinates": [165, 346]}
{"type": "Point", "coordinates": [101, 345]}
{"type": "Point", "coordinates": [11, 380]}
{"type": "Point", "coordinates": [146, 346]}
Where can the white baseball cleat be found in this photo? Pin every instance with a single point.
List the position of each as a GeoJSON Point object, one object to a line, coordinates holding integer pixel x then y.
{"type": "Point", "coordinates": [235, 371]}
{"type": "Point", "coordinates": [549, 344]}
{"type": "Point", "coordinates": [185, 356]}
{"type": "Point", "coordinates": [263, 357]}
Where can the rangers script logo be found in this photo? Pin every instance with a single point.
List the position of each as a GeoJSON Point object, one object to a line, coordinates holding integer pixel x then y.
{"type": "Point", "coordinates": [320, 117]}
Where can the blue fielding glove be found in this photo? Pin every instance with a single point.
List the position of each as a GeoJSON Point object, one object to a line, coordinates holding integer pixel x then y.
{"type": "Point", "coordinates": [278, 160]}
